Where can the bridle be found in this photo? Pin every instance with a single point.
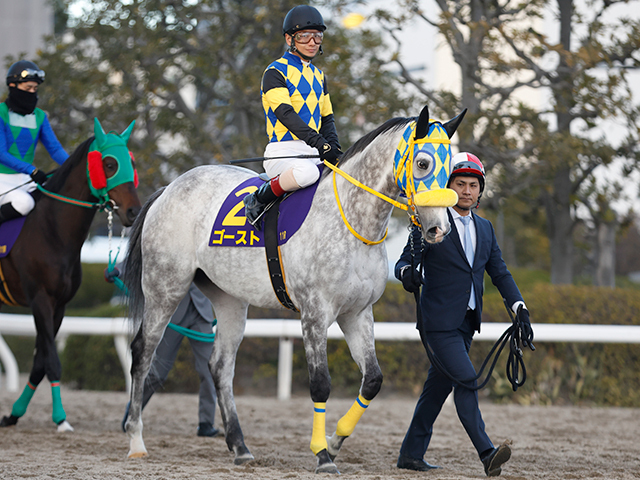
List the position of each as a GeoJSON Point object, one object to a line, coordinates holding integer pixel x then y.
{"type": "Point", "coordinates": [421, 195]}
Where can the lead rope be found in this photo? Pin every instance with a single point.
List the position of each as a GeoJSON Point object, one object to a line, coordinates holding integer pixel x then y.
{"type": "Point", "coordinates": [112, 263]}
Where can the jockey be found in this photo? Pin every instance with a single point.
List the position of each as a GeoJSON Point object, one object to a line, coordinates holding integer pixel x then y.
{"type": "Point", "coordinates": [298, 113]}
{"type": "Point", "coordinates": [21, 126]}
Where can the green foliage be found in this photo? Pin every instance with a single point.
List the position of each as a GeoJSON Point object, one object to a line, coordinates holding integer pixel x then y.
{"type": "Point", "coordinates": [189, 73]}
{"type": "Point", "coordinates": [91, 363]}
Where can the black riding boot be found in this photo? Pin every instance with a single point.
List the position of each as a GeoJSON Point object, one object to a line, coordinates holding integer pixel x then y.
{"type": "Point", "coordinates": [255, 203]}
{"type": "Point", "coordinates": [7, 212]}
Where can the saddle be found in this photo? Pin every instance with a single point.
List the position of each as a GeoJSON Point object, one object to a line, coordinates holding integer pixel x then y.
{"type": "Point", "coordinates": [9, 232]}
{"type": "Point", "coordinates": [282, 220]}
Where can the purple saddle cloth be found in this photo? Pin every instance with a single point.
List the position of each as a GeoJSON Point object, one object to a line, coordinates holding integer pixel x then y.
{"type": "Point", "coordinates": [231, 228]}
{"type": "Point", "coordinates": [9, 232]}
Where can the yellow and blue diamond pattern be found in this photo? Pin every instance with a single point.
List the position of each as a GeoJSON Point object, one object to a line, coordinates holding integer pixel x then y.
{"type": "Point", "coordinates": [437, 144]}
{"type": "Point", "coordinates": [304, 92]}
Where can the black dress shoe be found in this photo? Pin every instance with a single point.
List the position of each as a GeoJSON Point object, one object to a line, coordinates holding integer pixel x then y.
{"type": "Point", "coordinates": [494, 461]}
{"type": "Point", "coordinates": [207, 430]}
{"type": "Point", "coordinates": [418, 465]}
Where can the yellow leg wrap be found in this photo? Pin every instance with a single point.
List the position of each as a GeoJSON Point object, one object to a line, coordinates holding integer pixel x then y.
{"type": "Point", "coordinates": [318, 437]}
{"type": "Point", "coordinates": [347, 424]}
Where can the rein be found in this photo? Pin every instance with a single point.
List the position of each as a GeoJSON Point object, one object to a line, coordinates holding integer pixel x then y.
{"type": "Point", "coordinates": [108, 205]}
{"type": "Point", "coordinates": [358, 184]}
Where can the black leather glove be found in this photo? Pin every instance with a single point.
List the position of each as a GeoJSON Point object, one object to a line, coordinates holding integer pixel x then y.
{"type": "Point", "coordinates": [525, 328]}
{"type": "Point", "coordinates": [410, 279]}
{"type": "Point", "coordinates": [329, 153]}
{"type": "Point", "coordinates": [38, 176]}
{"type": "Point", "coordinates": [110, 276]}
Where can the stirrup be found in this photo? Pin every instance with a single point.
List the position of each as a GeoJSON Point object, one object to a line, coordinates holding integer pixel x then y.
{"type": "Point", "coordinates": [256, 223]}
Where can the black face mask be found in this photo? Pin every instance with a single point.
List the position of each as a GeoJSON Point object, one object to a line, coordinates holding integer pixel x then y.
{"type": "Point", "coordinates": [21, 102]}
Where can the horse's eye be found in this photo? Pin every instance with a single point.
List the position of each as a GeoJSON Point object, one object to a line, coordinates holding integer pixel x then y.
{"type": "Point", "coordinates": [423, 164]}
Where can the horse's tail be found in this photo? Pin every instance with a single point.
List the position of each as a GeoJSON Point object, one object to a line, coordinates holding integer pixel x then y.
{"type": "Point", "coordinates": [133, 264]}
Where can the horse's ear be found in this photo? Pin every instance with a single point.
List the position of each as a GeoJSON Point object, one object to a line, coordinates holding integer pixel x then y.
{"type": "Point", "coordinates": [452, 125]}
{"type": "Point", "coordinates": [422, 126]}
{"type": "Point", "coordinates": [98, 131]}
{"type": "Point", "coordinates": [127, 133]}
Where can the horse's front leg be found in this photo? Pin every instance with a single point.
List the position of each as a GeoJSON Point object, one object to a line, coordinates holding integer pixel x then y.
{"type": "Point", "coordinates": [314, 335]}
{"type": "Point", "coordinates": [358, 332]}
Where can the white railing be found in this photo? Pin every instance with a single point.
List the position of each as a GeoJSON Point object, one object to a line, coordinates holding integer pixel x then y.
{"type": "Point", "coordinates": [286, 330]}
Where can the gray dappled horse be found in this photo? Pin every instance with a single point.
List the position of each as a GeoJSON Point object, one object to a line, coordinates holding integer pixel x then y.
{"type": "Point", "coordinates": [333, 273]}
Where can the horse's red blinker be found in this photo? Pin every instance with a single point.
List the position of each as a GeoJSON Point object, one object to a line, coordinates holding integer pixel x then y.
{"type": "Point", "coordinates": [96, 170]}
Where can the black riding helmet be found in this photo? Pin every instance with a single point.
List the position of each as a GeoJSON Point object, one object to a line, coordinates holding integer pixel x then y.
{"type": "Point", "coordinates": [303, 17]}
{"type": "Point", "coordinates": [24, 71]}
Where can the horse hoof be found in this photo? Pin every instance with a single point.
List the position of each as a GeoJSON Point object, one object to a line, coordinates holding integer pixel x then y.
{"type": "Point", "coordinates": [9, 421]}
{"type": "Point", "coordinates": [244, 458]}
{"type": "Point", "coordinates": [64, 426]}
{"type": "Point", "coordinates": [137, 454]}
{"type": "Point", "coordinates": [325, 463]}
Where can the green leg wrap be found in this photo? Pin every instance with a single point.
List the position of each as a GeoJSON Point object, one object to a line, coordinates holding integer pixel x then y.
{"type": "Point", "coordinates": [57, 414]}
{"type": "Point", "coordinates": [20, 407]}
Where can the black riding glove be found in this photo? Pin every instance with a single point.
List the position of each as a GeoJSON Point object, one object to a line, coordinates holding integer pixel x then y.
{"type": "Point", "coordinates": [329, 153]}
{"type": "Point", "coordinates": [110, 276]}
{"type": "Point", "coordinates": [525, 327]}
{"type": "Point", "coordinates": [410, 279]}
{"type": "Point", "coordinates": [38, 176]}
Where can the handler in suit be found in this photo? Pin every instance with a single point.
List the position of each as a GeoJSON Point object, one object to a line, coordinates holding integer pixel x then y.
{"type": "Point", "coordinates": [195, 313]}
{"type": "Point", "coordinates": [451, 274]}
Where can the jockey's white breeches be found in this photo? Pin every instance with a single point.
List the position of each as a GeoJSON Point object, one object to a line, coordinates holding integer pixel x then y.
{"type": "Point", "coordinates": [304, 170]}
{"type": "Point", "coordinates": [20, 198]}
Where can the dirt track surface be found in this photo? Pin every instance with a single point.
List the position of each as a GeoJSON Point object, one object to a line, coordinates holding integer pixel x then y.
{"type": "Point", "coordinates": [548, 442]}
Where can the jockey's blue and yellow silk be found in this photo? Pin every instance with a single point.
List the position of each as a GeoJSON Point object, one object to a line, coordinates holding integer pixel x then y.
{"type": "Point", "coordinates": [305, 91]}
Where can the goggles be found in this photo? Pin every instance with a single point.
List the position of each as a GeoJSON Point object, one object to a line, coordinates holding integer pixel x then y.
{"type": "Point", "coordinates": [30, 72]}
{"type": "Point", "coordinates": [305, 37]}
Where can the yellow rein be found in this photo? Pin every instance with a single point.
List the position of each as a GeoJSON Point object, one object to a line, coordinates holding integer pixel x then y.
{"type": "Point", "coordinates": [367, 189]}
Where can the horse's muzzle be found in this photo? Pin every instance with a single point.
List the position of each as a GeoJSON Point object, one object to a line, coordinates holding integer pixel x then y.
{"type": "Point", "coordinates": [132, 213]}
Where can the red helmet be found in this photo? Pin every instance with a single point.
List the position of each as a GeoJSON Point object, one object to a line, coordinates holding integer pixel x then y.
{"type": "Point", "coordinates": [467, 165]}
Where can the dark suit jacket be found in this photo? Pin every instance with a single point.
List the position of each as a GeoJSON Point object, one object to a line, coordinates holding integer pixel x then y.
{"type": "Point", "coordinates": [447, 276]}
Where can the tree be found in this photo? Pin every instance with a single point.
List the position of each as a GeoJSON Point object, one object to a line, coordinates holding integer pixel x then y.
{"type": "Point", "coordinates": [189, 73]}
{"type": "Point", "coordinates": [548, 153]}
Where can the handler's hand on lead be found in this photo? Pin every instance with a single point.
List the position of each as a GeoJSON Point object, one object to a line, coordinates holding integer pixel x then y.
{"type": "Point", "coordinates": [410, 279]}
{"type": "Point", "coordinates": [110, 276]}
{"type": "Point", "coordinates": [525, 326]}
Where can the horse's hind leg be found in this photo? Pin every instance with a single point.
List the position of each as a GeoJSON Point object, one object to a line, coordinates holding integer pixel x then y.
{"type": "Point", "coordinates": [157, 314]}
{"type": "Point", "coordinates": [231, 315]}
{"type": "Point", "coordinates": [358, 333]}
{"type": "Point", "coordinates": [45, 362]}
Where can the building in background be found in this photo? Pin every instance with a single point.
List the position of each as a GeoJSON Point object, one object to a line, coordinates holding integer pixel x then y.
{"type": "Point", "coordinates": [23, 26]}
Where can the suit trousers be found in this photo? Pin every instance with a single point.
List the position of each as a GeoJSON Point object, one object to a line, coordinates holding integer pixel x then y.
{"type": "Point", "coordinates": [451, 348]}
{"type": "Point", "coordinates": [166, 355]}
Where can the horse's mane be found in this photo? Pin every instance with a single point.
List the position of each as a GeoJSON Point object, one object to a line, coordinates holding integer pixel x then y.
{"type": "Point", "coordinates": [57, 180]}
{"type": "Point", "coordinates": [363, 142]}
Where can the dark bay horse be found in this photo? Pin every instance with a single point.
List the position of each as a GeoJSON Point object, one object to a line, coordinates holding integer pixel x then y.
{"type": "Point", "coordinates": [336, 265]}
{"type": "Point", "coordinates": [43, 270]}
